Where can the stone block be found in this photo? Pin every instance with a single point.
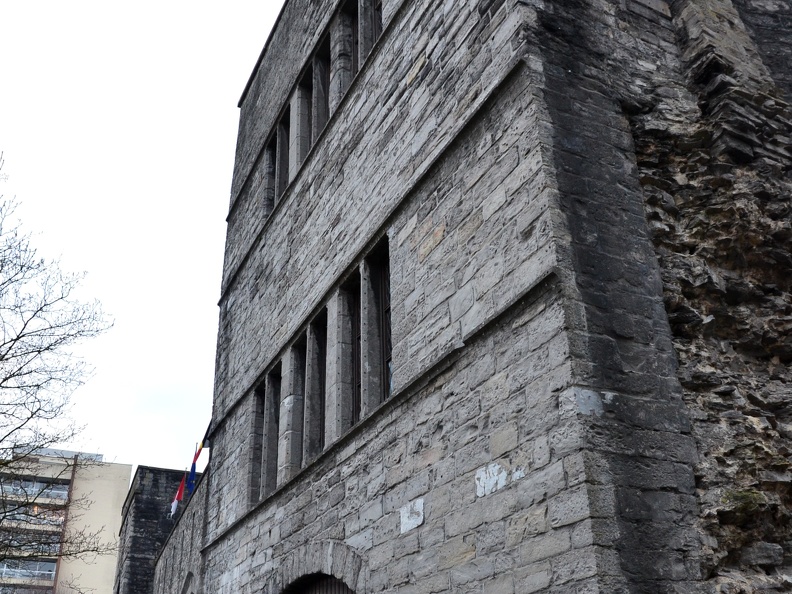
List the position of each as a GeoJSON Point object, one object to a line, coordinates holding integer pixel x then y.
{"type": "Point", "coordinates": [544, 546]}
{"type": "Point", "coordinates": [533, 578]}
{"type": "Point", "coordinates": [569, 506]}
{"type": "Point", "coordinates": [762, 554]}
{"type": "Point", "coordinates": [455, 552]}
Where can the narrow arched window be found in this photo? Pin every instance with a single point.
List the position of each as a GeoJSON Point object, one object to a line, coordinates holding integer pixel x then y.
{"type": "Point", "coordinates": [318, 583]}
{"type": "Point", "coordinates": [186, 588]}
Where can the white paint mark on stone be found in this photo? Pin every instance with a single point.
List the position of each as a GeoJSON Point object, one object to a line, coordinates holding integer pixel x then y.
{"type": "Point", "coordinates": [518, 473]}
{"type": "Point", "coordinates": [588, 402]}
{"type": "Point", "coordinates": [412, 515]}
{"type": "Point", "coordinates": [490, 478]}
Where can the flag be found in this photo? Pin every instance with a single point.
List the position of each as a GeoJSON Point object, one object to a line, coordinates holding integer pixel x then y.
{"type": "Point", "coordinates": [179, 496]}
{"type": "Point", "coordinates": [191, 477]}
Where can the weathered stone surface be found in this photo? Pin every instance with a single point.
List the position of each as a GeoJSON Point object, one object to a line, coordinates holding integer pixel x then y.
{"type": "Point", "coordinates": [146, 525]}
{"type": "Point", "coordinates": [587, 212]}
{"type": "Point", "coordinates": [763, 554]}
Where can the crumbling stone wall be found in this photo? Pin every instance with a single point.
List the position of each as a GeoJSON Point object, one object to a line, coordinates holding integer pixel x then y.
{"type": "Point", "coordinates": [769, 22]}
{"type": "Point", "coordinates": [711, 133]}
{"type": "Point", "coordinates": [718, 200]}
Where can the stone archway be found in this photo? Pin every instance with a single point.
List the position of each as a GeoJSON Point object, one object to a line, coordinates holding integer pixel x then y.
{"type": "Point", "coordinates": [320, 560]}
{"type": "Point", "coordinates": [318, 583]}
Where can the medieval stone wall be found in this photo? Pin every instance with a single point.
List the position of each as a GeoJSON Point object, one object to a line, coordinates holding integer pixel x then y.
{"type": "Point", "coordinates": [179, 564]}
{"type": "Point", "coordinates": [586, 208]}
{"type": "Point", "coordinates": [145, 528]}
{"type": "Point", "coordinates": [718, 199]}
{"type": "Point", "coordinates": [311, 240]}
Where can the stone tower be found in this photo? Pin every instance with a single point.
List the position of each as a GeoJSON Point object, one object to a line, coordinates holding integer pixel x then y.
{"type": "Point", "coordinates": [506, 304]}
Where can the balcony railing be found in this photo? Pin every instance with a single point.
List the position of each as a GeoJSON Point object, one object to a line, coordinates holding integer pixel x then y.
{"type": "Point", "coordinates": [37, 517]}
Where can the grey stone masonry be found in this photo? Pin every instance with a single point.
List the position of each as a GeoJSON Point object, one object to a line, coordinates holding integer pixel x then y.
{"type": "Point", "coordinates": [450, 340]}
{"type": "Point", "coordinates": [292, 397]}
{"type": "Point", "coordinates": [371, 342]}
{"type": "Point", "coordinates": [339, 366]}
{"type": "Point", "coordinates": [145, 528]}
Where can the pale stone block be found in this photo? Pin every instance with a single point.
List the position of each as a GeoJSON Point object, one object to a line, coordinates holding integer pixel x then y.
{"type": "Point", "coordinates": [412, 515]}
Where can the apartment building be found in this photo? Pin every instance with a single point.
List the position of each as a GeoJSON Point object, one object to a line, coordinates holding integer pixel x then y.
{"type": "Point", "coordinates": [60, 513]}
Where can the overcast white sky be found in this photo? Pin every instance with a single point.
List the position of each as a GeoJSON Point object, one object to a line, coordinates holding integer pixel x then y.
{"type": "Point", "coordinates": [118, 125]}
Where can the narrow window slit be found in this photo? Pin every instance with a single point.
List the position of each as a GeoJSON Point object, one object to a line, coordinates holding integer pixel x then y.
{"type": "Point", "coordinates": [321, 88]}
{"type": "Point", "coordinates": [282, 159]}
{"type": "Point", "coordinates": [270, 156]}
{"type": "Point", "coordinates": [301, 122]}
{"type": "Point", "coordinates": [351, 290]}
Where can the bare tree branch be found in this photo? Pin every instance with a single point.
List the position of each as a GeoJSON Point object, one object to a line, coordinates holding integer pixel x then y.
{"type": "Point", "coordinates": [40, 322]}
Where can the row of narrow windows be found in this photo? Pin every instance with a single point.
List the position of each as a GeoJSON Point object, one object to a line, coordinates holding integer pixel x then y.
{"type": "Point", "coordinates": [324, 82]}
{"type": "Point", "coordinates": [335, 373]}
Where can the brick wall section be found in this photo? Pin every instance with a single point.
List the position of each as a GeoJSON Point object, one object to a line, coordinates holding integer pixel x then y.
{"type": "Point", "coordinates": [145, 528]}
{"type": "Point", "coordinates": [726, 283]}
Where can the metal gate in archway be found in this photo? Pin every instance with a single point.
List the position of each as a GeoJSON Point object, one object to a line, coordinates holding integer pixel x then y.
{"type": "Point", "coordinates": [319, 584]}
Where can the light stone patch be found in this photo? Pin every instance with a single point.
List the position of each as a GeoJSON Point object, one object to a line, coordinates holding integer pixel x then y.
{"type": "Point", "coordinates": [490, 478]}
{"type": "Point", "coordinates": [412, 515]}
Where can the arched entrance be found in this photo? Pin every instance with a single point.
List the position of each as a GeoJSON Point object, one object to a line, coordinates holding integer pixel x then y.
{"type": "Point", "coordinates": [326, 566]}
{"type": "Point", "coordinates": [318, 583]}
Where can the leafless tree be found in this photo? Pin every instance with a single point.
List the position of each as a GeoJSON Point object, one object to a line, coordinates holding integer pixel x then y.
{"type": "Point", "coordinates": [40, 322]}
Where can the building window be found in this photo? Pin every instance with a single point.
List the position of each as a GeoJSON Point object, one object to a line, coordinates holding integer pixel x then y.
{"type": "Point", "coordinates": [351, 292]}
{"type": "Point", "coordinates": [43, 569]}
{"type": "Point", "coordinates": [344, 48]}
{"type": "Point", "coordinates": [37, 514]}
{"type": "Point", "coordinates": [376, 19]}
{"type": "Point", "coordinates": [257, 455]}
{"type": "Point", "coordinates": [282, 156]}
{"type": "Point", "coordinates": [379, 264]}
{"type": "Point", "coordinates": [350, 11]}
{"type": "Point", "coordinates": [32, 541]}
{"type": "Point", "coordinates": [270, 161]}
{"type": "Point", "coordinates": [290, 447]}
{"type": "Point", "coordinates": [301, 110]}
{"type": "Point", "coordinates": [34, 489]}
{"type": "Point", "coordinates": [321, 88]}
{"type": "Point", "coordinates": [370, 25]}
{"type": "Point", "coordinates": [376, 333]}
